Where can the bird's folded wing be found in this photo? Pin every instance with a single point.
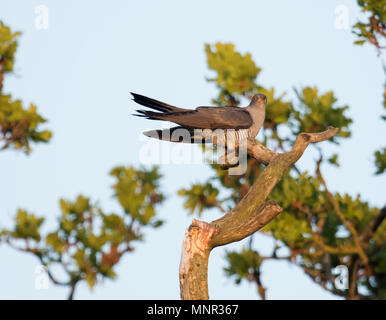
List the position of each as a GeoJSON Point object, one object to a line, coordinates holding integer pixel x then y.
{"type": "Point", "coordinates": [210, 118]}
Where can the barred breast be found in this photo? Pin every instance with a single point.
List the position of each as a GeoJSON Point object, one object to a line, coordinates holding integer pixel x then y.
{"type": "Point", "coordinates": [229, 137]}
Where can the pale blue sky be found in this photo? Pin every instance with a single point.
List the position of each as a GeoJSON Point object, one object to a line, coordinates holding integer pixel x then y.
{"type": "Point", "coordinates": [80, 71]}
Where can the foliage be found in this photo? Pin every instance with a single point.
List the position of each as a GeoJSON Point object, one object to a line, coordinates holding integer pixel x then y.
{"type": "Point", "coordinates": [374, 32]}
{"type": "Point", "coordinates": [200, 197]}
{"type": "Point", "coordinates": [89, 242]}
{"type": "Point", "coordinates": [236, 73]}
{"type": "Point", "coordinates": [380, 155]}
{"type": "Point", "coordinates": [137, 192]}
{"type": "Point", "coordinates": [320, 230]}
{"type": "Point", "coordinates": [375, 28]}
{"type": "Point", "coordinates": [317, 112]}
{"type": "Point", "coordinates": [8, 46]}
{"type": "Point", "coordinates": [18, 126]}
{"type": "Point", "coordinates": [241, 264]}
{"type": "Point", "coordinates": [380, 161]}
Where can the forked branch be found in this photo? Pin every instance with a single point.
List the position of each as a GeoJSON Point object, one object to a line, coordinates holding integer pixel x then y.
{"type": "Point", "coordinates": [251, 214]}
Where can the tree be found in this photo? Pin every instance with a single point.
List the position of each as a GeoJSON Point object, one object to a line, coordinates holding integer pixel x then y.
{"type": "Point", "coordinates": [319, 230]}
{"type": "Point", "coordinates": [18, 126]}
{"type": "Point", "coordinates": [373, 31]}
{"type": "Point", "coordinates": [313, 228]}
{"type": "Point", "coordinates": [88, 241]}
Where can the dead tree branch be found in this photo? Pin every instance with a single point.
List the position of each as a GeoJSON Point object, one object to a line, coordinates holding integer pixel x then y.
{"type": "Point", "coordinates": [251, 214]}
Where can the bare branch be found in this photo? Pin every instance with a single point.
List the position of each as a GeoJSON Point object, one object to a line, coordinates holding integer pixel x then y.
{"type": "Point", "coordinates": [249, 215]}
{"type": "Point", "coordinates": [242, 228]}
{"type": "Point", "coordinates": [259, 152]}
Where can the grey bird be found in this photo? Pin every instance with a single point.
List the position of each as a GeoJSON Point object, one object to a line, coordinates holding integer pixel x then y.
{"type": "Point", "coordinates": [247, 120]}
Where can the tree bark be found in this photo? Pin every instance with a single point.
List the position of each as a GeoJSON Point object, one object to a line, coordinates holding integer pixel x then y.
{"type": "Point", "coordinates": [251, 214]}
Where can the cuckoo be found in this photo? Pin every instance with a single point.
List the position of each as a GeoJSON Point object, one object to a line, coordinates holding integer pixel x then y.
{"type": "Point", "coordinates": [202, 123]}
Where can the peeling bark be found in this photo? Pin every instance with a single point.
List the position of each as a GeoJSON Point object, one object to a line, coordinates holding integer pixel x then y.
{"type": "Point", "coordinates": [251, 214]}
{"type": "Point", "coordinates": [194, 261]}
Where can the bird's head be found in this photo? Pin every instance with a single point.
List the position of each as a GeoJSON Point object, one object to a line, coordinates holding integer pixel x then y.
{"type": "Point", "coordinates": [259, 98]}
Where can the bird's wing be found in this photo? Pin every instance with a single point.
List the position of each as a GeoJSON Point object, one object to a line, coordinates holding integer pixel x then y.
{"type": "Point", "coordinates": [201, 117]}
{"type": "Point", "coordinates": [207, 117]}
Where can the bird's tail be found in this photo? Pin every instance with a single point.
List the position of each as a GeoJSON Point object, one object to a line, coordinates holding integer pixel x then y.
{"type": "Point", "coordinates": [178, 134]}
{"type": "Point", "coordinates": [153, 104]}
